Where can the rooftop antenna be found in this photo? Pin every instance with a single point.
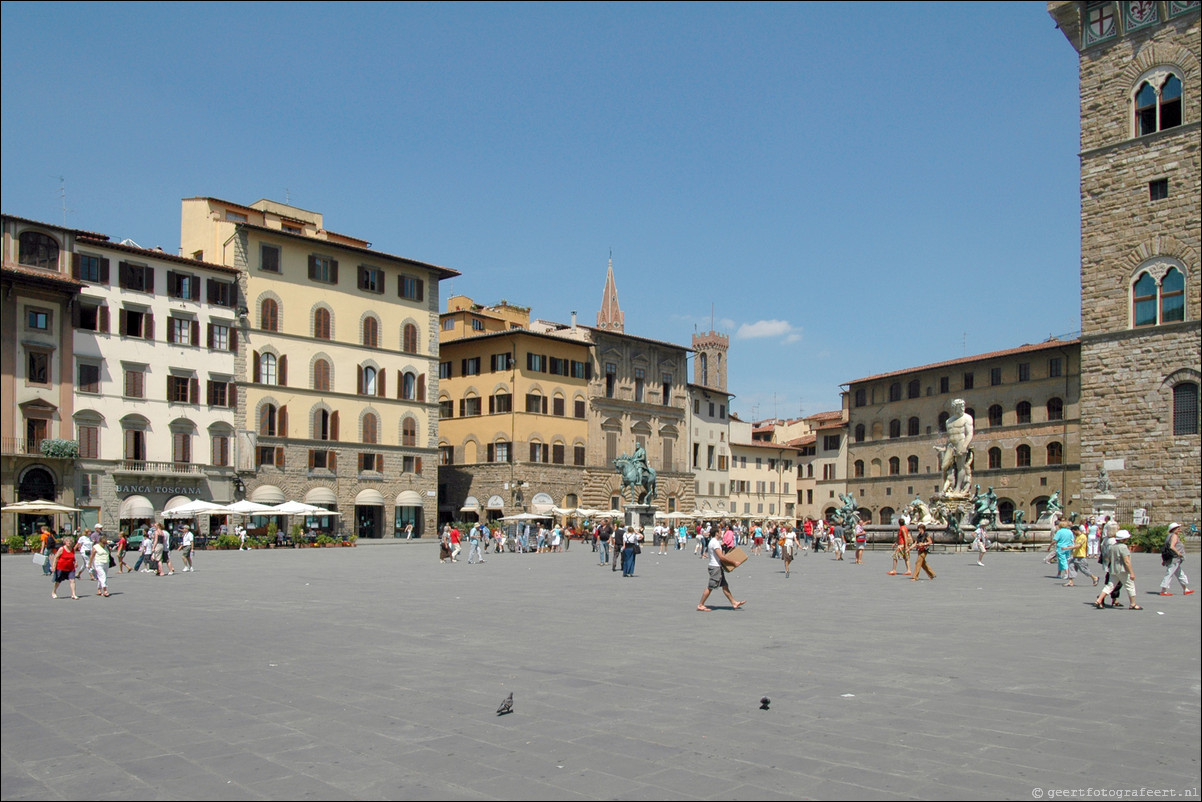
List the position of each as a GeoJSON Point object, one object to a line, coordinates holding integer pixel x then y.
{"type": "Point", "coordinates": [62, 195]}
{"type": "Point", "coordinates": [711, 316]}
{"type": "Point", "coordinates": [287, 196]}
{"type": "Point", "coordinates": [964, 344]}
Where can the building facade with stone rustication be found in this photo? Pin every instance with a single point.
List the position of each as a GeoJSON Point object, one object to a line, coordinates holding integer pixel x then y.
{"type": "Point", "coordinates": [1141, 272]}
{"type": "Point", "coordinates": [337, 367]}
{"type": "Point", "coordinates": [1025, 404]}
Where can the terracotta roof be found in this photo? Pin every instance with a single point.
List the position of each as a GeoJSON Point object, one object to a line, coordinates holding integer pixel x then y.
{"type": "Point", "coordinates": [474, 338]}
{"type": "Point", "coordinates": [713, 390]}
{"type": "Point", "coordinates": [52, 277]}
{"type": "Point", "coordinates": [763, 444]}
{"type": "Point", "coordinates": [613, 333]}
{"type": "Point", "coordinates": [443, 272]}
{"type": "Point", "coordinates": [77, 231]}
{"type": "Point", "coordinates": [804, 441]}
{"type": "Point", "coordinates": [1044, 346]}
{"type": "Point", "coordinates": [837, 423]}
{"type": "Point", "coordinates": [835, 414]}
{"type": "Point", "coordinates": [152, 253]}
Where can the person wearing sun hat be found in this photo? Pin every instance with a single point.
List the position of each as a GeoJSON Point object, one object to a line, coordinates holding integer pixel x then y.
{"type": "Point", "coordinates": [1173, 558]}
{"type": "Point", "coordinates": [1121, 572]}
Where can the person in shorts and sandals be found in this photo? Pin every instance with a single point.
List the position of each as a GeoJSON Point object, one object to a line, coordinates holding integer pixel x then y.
{"type": "Point", "coordinates": [788, 542]}
{"type": "Point", "coordinates": [717, 576]}
{"type": "Point", "coordinates": [924, 545]}
{"type": "Point", "coordinates": [185, 548]}
{"type": "Point", "coordinates": [64, 567]}
{"type": "Point", "coordinates": [861, 541]}
{"type": "Point", "coordinates": [902, 549]}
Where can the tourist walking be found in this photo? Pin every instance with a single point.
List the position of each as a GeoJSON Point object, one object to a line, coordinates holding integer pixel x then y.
{"type": "Point", "coordinates": [717, 575]}
{"type": "Point", "coordinates": [83, 544]}
{"type": "Point", "coordinates": [1121, 574]}
{"type": "Point", "coordinates": [861, 541]}
{"type": "Point", "coordinates": [837, 540]}
{"type": "Point", "coordinates": [474, 554]}
{"type": "Point", "coordinates": [980, 543]}
{"type": "Point", "coordinates": [1062, 542]}
{"type": "Point", "coordinates": [1173, 558]}
{"type": "Point", "coordinates": [1078, 562]}
{"type": "Point", "coordinates": [98, 564]}
{"type": "Point", "coordinates": [924, 546]}
{"type": "Point", "coordinates": [48, 548]}
{"type": "Point", "coordinates": [902, 548]}
{"type": "Point", "coordinates": [185, 548]}
{"type": "Point", "coordinates": [64, 567]}
{"type": "Point", "coordinates": [789, 546]}
{"type": "Point", "coordinates": [604, 532]}
{"type": "Point", "coordinates": [122, 547]}
{"type": "Point", "coordinates": [630, 550]}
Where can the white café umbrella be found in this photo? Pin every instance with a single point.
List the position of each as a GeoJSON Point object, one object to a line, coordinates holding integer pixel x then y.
{"type": "Point", "coordinates": [192, 509]}
{"type": "Point", "coordinates": [39, 507]}
{"type": "Point", "coordinates": [246, 507]}
{"type": "Point", "coordinates": [301, 508]}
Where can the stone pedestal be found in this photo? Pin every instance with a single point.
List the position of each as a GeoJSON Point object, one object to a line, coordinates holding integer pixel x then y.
{"type": "Point", "coordinates": [1104, 504]}
{"type": "Point", "coordinates": [640, 515]}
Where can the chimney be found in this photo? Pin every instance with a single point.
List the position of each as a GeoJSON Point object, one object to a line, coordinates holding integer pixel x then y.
{"type": "Point", "coordinates": [573, 320]}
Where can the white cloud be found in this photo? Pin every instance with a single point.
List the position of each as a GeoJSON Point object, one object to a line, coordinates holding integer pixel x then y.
{"type": "Point", "coordinates": [769, 328]}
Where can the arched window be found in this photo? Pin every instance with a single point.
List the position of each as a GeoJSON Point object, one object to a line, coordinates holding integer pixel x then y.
{"type": "Point", "coordinates": [895, 391]}
{"type": "Point", "coordinates": [371, 332]}
{"type": "Point", "coordinates": [1055, 409]}
{"type": "Point", "coordinates": [912, 389]}
{"type": "Point", "coordinates": [894, 466]}
{"type": "Point", "coordinates": [995, 415]}
{"type": "Point", "coordinates": [321, 375]}
{"type": "Point", "coordinates": [325, 424]}
{"type": "Point", "coordinates": [1005, 511]}
{"type": "Point", "coordinates": [1023, 412]}
{"type": "Point", "coordinates": [409, 339]}
{"type": "Point", "coordinates": [267, 369]}
{"type": "Point", "coordinates": [321, 323]}
{"type": "Point", "coordinates": [38, 250]}
{"type": "Point", "coordinates": [1185, 408]}
{"type": "Point", "coordinates": [1154, 302]}
{"type": "Point", "coordinates": [269, 315]}
{"type": "Point", "coordinates": [995, 458]}
{"type": "Point", "coordinates": [408, 386]}
{"type": "Point", "coordinates": [894, 428]}
{"type": "Point", "coordinates": [409, 432]}
{"type": "Point", "coordinates": [371, 429]}
{"type": "Point", "coordinates": [858, 469]}
{"type": "Point", "coordinates": [913, 427]}
{"type": "Point", "coordinates": [859, 433]}
{"type": "Point", "coordinates": [370, 375]}
{"type": "Point", "coordinates": [1022, 456]}
{"type": "Point", "coordinates": [886, 515]}
{"type": "Point", "coordinates": [1158, 107]}
{"type": "Point", "coordinates": [1055, 453]}
{"type": "Point", "coordinates": [861, 397]}
{"type": "Point", "coordinates": [912, 464]}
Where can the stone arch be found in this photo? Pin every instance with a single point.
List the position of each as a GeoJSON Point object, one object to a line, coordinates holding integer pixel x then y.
{"type": "Point", "coordinates": [268, 295]}
{"type": "Point", "coordinates": [1166, 57]}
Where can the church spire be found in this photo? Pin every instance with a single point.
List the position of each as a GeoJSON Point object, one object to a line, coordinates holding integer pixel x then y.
{"type": "Point", "coordinates": [611, 317]}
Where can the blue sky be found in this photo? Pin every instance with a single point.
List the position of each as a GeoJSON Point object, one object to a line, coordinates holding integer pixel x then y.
{"type": "Point", "coordinates": [845, 189]}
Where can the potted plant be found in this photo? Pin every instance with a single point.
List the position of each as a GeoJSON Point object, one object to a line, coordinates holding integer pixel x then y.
{"type": "Point", "coordinates": [1149, 539]}
{"type": "Point", "coordinates": [15, 544]}
{"type": "Point", "coordinates": [324, 540]}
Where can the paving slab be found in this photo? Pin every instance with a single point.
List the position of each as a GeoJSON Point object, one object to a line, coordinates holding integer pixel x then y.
{"type": "Point", "coordinates": [375, 673]}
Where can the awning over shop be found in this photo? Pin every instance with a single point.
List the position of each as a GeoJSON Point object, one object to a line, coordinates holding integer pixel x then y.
{"type": "Point", "coordinates": [267, 494]}
{"type": "Point", "coordinates": [496, 503]}
{"type": "Point", "coordinates": [176, 501]}
{"type": "Point", "coordinates": [136, 507]}
{"type": "Point", "coordinates": [321, 497]}
{"type": "Point", "coordinates": [369, 498]}
{"type": "Point", "coordinates": [409, 498]}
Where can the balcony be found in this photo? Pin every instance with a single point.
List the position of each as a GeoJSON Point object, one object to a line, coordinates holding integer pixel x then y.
{"type": "Point", "coordinates": [147, 467]}
{"type": "Point", "coordinates": [20, 445]}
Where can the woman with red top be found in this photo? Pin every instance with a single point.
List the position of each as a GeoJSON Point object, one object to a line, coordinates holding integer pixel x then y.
{"type": "Point", "coordinates": [122, 547]}
{"type": "Point", "coordinates": [64, 567]}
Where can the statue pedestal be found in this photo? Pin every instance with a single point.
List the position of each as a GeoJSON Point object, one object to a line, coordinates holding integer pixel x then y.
{"type": "Point", "coordinates": [640, 515]}
{"type": "Point", "coordinates": [1105, 504]}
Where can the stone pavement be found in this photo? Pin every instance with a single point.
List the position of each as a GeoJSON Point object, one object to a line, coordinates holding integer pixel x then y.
{"type": "Point", "coordinates": [374, 673]}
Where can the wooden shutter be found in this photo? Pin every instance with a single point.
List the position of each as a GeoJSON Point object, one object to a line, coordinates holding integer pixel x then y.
{"type": "Point", "coordinates": [417, 465]}
{"type": "Point", "coordinates": [209, 335]}
{"type": "Point", "coordinates": [195, 332]}
{"type": "Point", "coordinates": [312, 266]}
{"type": "Point", "coordinates": [361, 455]}
{"type": "Point", "coordinates": [333, 271]}
{"type": "Point", "coordinates": [75, 266]}
{"type": "Point", "coordinates": [492, 408]}
{"type": "Point", "coordinates": [359, 379]}
{"type": "Point", "coordinates": [193, 390]}
{"type": "Point", "coordinates": [209, 393]}
{"type": "Point", "coordinates": [257, 373]}
{"type": "Point", "coordinates": [279, 456]}
{"type": "Point", "coordinates": [490, 450]}
{"type": "Point", "coordinates": [148, 326]}
{"type": "Point", "coordinates": [231, 395]}
{"type": "Point", "coordinates": [421, 387]}
{"type": "Point", "coordinates": [102, 319]}
{"type": "Point", "coordinates": [121, 328]}
{"type": "Point", "coordinates": [282, 371]}
{"type": "Point", "coordinates": [169, 388]}
{"type": "Point", "coordinates": [123, 275]}
{"type": "Point", "coordinates": [282, 417]}
{"type": "Point", "coordinates": [171, 330]}
{"type": "Point", "coordinates": [149, 273]}
{"type": "Point", "coordinates": [334, 426]}
{"type": "Point", "coordinates": [380, 383]}
{"type": "Point", "coordinates": [75, 314]}
{"type": "Point", "coordinates": [104, 271]}
{"type": "Point", "coordinates": [420, 289]}
{"type": "Point", "coordinates": [233, 340]}
{"type": "Point", "coordinates": [130, 444]}
{"type": "Point", "coordinates": [195, 288]}
{"type": "Point", "coordinates": [311, 454]}
{"type": "Point", "coordinates": [332, 461]}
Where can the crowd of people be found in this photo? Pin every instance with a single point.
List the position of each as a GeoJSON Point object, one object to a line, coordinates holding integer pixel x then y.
{"type": "Point", "coordinates": [89, 555]}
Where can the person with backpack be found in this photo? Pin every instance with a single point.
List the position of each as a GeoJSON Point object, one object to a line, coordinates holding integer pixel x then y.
{"type": "Point", "coordinates": [604, 533]}
{"type": "Point", "coordinates": [1172, 556]}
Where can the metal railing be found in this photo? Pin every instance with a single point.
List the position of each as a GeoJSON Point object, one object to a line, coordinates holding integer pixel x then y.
{"type": "Point", "coordinates": [157, 467]}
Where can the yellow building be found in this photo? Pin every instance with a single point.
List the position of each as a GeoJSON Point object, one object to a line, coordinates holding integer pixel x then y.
{"type": "Point", "coordinates": [513, 408]}
{"type": "Point", "coordinates": [337, 364]}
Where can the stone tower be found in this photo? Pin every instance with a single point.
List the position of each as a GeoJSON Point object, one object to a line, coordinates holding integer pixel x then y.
{"type": "Point", "coordinates": [611, 317]}
{"type": "Point", "coordinates": [1141, 334]}
{"type": "Point", "coordinates": [709, 366]}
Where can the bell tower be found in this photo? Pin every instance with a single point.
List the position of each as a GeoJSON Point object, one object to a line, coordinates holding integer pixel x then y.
{"type": "Point", "coordinates": [709, 365]}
